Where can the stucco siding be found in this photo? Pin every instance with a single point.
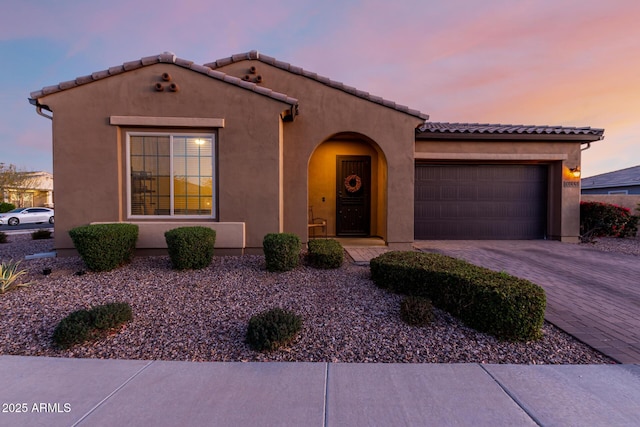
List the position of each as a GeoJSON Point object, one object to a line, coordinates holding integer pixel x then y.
{"type": "Point", "coordinates": [89, 152]}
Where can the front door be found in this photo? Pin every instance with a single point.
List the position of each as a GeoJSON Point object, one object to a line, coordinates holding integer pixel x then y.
{"type": "Point", "coordinates": [353, 194]}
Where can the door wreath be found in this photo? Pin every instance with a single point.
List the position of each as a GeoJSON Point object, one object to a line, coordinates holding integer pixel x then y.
{"type": "Point", "coordinates": [352, 183]}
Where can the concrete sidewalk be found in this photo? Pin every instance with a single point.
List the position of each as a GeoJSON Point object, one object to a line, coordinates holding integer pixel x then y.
{"type": "Point", "coordinates": [94, 392]}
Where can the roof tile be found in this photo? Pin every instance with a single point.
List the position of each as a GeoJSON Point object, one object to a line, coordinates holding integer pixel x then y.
{"type": "Point", "coordinates": [116, 70]}
{"type": "Point", "coordinates": [132, 65]}
{"type": "Point", "coordinates": [148, 60]}
{"type": "Point", "coordinates": [166, 57]}
{"type": "Point", "coordinates": [478, 128]}
{"type": "Point", "coordinates": [67, 85]}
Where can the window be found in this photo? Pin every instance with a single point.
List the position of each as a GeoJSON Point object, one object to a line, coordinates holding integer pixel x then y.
{"type": "Point", "coordinates": [171, 175]}
{"type": "Point", "coordinates": [618, 192]}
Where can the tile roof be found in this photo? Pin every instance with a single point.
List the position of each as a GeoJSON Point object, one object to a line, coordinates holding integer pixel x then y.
{"type": "Point", "coordinates": [620, 178]}
{"type": "Point", "coordinates": [169, 58]}
{"type": "Point", "coordinates": [255, 55]}
{"type": "Point", "coordinates": [503, 129]}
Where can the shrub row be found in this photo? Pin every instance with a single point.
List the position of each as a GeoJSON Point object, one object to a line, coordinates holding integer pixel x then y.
{"type": "Point", "coordinates": [325, 253]}
{"type": "Point", "coordinates": [104, 247]}
{"type": "Point", "coordinates": [85, 325]}
{"type": "Point", "coordinates": [599, 219]}
{"type": "Point", "coordinates": [507, 307]}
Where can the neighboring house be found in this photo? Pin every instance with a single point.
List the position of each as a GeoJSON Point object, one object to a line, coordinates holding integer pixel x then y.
{"type": "Point", "coordinates": [247, 145]}
{"type": "Point", "coordinates": [34, 189]}
{"type": "Point", "coordinates": [623, 181]}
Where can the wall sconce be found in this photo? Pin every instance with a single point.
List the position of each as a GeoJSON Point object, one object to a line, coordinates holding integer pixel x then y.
{"type": "Point", "coordinates": [575, 172]}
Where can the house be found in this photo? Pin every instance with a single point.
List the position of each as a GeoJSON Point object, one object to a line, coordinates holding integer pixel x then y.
{"type": "Point", "coordinates": [30, 189]}
{"type": "Point", "coordinates": [623, 181]}
{"type": "Point", "coordinates": [248, 145]}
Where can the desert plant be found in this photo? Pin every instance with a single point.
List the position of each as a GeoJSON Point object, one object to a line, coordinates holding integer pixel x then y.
{"type": "Point", "coordinates": [9, 275]}
{"type": "Point", "coordinates": [281, 251]}
{"type": "Point", "coordinates": [6, 207]}
{"type": "Point", "coordinates": [273, 328]}
{"type": "Point", "coordinates": [3, 237]}
{"type": "Point", "coordinates": [190, 247]}
{"type": "Point", "coordinates": [41, 234]}
{"type": "Point", "coordinates": [104, 247]}
{"type": "Point", "coordinates": [416, 311]}
{"type": "Point", "coordinates": [84, 325]}
{"type": "Point", "coordinates": [325, 253]}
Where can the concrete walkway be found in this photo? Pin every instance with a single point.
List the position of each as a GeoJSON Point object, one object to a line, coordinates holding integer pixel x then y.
{"type": "Point", "coordinates": [592, 295]}
{"type": "Point", "coordinates": [38, 391]}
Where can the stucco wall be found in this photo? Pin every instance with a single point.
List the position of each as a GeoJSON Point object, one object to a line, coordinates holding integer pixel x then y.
{"type": "Point", "coordinates": [627, 201]}
{"type": "Point", "coordinates": [89, 152]}
{"type": "Point", "coordinates": [324, 112]}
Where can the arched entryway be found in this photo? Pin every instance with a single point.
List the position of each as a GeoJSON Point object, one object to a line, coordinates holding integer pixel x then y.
{"type": "Point", "coordinates": [347, 186]}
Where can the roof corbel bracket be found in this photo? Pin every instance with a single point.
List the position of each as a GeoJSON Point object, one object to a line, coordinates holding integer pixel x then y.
{"type": "Point", "coordinates": [289, 114]}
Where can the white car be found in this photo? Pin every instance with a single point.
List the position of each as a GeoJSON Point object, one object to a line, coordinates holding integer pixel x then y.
{"type": "Point", "coordinates": [27, 216]}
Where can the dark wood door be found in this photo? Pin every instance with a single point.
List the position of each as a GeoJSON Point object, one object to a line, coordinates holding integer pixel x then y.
{"type": "Point", "coordinates": [353, 194]}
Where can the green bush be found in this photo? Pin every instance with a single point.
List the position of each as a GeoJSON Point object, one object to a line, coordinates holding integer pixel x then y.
{"type": "Point", "coordinates": [41, 234]}
{"type": "Point", "coordinates": [281, 251]}
{"type": "Point", "coordinates": [603, 219]}
{"type": "Point", "coordinates": [6, 207]}
{"type": "Point", "coordinates": [325, 253]}
{"type": "Point", "coordinates": [496, 303]}
{"type": "Point", "coordinates": [104, 247]}
{"type": "Point", "coordinates": [190, 247]}
{"type": "Point", "coordinates": [272, 328]}
{"type": "Point", "coordinates": [85, 325]}
{"type": "Point", "coordinates": [416, 311]}
{"type": "Point", "coordinates": [3, 237]}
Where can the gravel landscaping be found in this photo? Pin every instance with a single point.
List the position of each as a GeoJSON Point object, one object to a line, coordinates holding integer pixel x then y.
{"type": "Point", "coordinates": [202, 315]}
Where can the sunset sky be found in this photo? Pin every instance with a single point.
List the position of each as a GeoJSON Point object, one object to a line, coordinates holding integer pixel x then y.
{"type": "Point", "coordinates": [540, 62]}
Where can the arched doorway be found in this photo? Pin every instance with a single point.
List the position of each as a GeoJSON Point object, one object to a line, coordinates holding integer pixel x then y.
{"type": "Point", "coordinates": [347, 186]}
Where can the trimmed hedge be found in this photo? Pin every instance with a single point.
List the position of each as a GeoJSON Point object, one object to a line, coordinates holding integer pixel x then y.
{"type": "Point", "coordinates": [190, 247]}
{"type": "Point", "coordinates": [499, 304]}
{"type": "Point", "coordinates": [104, 247]}
{"type": "Point", "coordinates": [85, 325]}
{"type": "Point", "coordinates": [325, 253]}
{"type": "Point", "coordinates": [281, 251]}
{"type": "Point", "coordinates": [273, 328]}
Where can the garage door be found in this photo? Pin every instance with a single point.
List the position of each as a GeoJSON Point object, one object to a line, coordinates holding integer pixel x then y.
{"type": "Point", "coordinates": [481, 202]}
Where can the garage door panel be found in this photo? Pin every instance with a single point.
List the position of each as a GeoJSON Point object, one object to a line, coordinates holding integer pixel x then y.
{"type": "Point", "coordinates": [480, 201]}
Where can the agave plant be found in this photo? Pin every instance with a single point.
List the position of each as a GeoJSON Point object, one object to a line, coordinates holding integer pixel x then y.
{"type": "Point", "coordinates": [9, 275]}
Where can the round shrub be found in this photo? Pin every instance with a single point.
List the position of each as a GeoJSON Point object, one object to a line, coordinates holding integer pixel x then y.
{"type": "Point", "coordinates": [416, 311]}
{"type": "Point", "coordinates": [6, 207]}
{"type": "Point", "coordinates": [190, 247]}
{"type": "Point", "coordinates": [325, 253]}
{"type": "Point", "coordinates": [281, 251]}
{"type": "Point", "coordinates": [85, 325]}
{"type": "Point", "coordinates": [104, 247]}
{"type": "Point", "coordinates": [273, 328]}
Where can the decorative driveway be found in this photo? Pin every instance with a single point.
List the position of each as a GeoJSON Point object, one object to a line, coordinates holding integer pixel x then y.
{"type": "Point", "coordinates": [592, 295]}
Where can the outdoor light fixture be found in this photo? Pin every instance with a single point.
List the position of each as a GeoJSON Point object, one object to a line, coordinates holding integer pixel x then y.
{"type": "Point", "coordinates": [575, 172]}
